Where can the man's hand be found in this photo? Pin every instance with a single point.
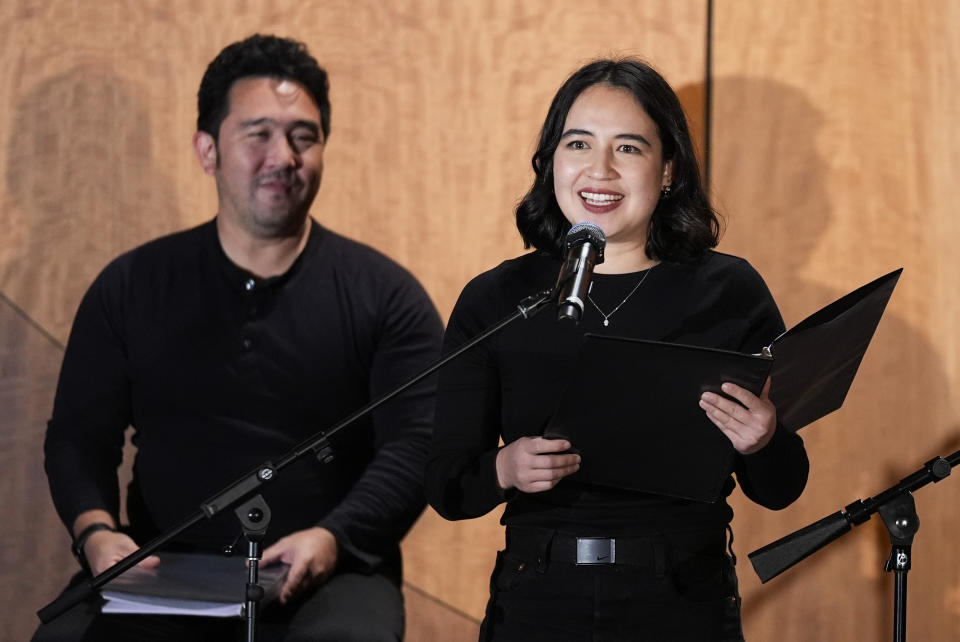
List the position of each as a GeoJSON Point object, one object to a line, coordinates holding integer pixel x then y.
{"type": "Point", "coordinates": [533, 464]}
{"type": "Point", "coordinates": [311, 554]}
{"type": "Point", "coordinates": [749, 429]}
{"type": "Point", "coordinates": [103, 549]}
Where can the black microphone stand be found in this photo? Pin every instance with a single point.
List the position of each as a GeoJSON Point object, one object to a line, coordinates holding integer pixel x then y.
{"type": "Point", "coordinates": [898, 511]}
{"type": "Point", "coordinates": [254, 516]}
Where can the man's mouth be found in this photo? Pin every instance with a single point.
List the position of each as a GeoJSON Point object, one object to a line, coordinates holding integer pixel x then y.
{"type": "Point", "coordinates": [276, 184]}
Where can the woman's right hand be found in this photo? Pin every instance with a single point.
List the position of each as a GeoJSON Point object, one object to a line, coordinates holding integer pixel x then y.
{"type": "Point", "coordinates": [535, 464]}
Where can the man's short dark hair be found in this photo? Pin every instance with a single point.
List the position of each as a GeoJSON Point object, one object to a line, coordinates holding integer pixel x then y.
{"type": "Point", "coordinates": [683, 225]}
{"type": "Point", "coordinates": [259, 56]}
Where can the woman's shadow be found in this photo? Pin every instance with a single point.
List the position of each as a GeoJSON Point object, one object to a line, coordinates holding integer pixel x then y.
{"type": "Point", "coordinates": [769, 179]}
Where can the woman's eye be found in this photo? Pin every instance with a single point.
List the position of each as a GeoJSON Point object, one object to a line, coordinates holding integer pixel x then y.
{"type": "Point", "coordinates": [577, 144]}
{"type": "Point", "coordinates": [630, 149]}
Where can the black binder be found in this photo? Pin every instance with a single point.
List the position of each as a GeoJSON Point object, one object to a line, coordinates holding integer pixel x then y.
{"type": "Point", "coordinates": [633, 415]}
{"type": "Point", "coordinates": [815, 361]}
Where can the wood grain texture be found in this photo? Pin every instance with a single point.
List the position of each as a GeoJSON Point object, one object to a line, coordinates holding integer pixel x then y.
{"type": "Point", "coordinates": [430, 619]}
{"type": "Point", "coordinates": [834, 160]}
{"type": "Point", "coordinates": [834, 157]}
{"type": "Point", "coordinates": [35, 558]}
{"type": "Point", "coordinates": [436, 109]}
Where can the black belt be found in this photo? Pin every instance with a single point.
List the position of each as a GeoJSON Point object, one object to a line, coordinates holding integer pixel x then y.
{"type": "Point", "coordinates": [542, 546]}
{"type": "Point", "coordinates": [656, 552]}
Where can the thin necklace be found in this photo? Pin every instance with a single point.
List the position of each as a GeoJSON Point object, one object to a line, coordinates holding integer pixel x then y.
{"type": "Point", "coordinates": [606, 317]}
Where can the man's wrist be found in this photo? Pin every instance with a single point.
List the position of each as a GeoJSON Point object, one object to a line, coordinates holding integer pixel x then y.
{"type": "Point", "coordinates": [81, 539]}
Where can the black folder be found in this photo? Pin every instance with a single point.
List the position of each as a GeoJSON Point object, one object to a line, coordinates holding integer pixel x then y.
{"type": "Point", "coordinates": [815, 361]}
{"type": "Point", "coordinates": [632, 414]}
{"type": "Point", "coordinates": [632, 410]}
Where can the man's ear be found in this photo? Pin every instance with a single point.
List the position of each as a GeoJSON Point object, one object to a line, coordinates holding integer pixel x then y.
{"type": "Point", "coordinates": [206, 150]}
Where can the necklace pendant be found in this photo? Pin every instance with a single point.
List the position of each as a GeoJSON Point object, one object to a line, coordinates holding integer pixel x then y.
{"type": "Point", "coordinates": [606, 317]}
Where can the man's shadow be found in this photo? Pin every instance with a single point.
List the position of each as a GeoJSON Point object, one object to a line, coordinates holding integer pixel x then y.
{"type": "Point", "coordinates": [82, 187]}
{"type": "Point", "coordinates": [769, 179]}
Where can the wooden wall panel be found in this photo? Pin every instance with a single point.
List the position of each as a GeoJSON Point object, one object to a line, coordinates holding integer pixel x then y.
{"type": "Point", "coordinates": [436, 107]}
{"type": "Point", "coordinates": [834, 157]}
{"type": "Point", "coordinates": [36, 554]}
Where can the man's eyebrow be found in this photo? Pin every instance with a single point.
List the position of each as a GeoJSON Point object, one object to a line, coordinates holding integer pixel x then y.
{"type": "Point", "coordinates": [257, 122]}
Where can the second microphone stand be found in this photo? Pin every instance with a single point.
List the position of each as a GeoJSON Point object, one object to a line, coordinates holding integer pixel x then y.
{"type": "Point", "coordinates": [898, 511]}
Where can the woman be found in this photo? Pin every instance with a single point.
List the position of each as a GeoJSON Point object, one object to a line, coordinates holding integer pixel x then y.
{"type": "Point", "coordinates": [615, 150]}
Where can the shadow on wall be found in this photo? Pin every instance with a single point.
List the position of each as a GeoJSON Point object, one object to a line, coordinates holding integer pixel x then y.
{"type": "Point", "coordinates": [83, 187]}
{"type": "Point", "coordinates": [770, 181]}
{"type": "Point", "coordinates": [35, 560]}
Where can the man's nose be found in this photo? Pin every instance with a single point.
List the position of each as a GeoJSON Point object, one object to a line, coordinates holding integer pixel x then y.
{"type": "Point", "coordinates": [282, 153]}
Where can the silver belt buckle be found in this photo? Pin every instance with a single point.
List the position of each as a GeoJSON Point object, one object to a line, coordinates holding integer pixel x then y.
{"type": "Point", "coordinates": [596, 550]}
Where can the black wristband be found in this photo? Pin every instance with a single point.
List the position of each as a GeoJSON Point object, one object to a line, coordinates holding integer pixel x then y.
{"type": "Point", "coordinates": [81, 539]}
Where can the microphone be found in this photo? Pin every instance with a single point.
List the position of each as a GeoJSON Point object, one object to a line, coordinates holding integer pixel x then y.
{"type": "Point", "coordinates": [585, 243]}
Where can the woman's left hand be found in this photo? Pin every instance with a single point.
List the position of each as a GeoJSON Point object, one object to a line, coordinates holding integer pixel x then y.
{"type": "Point", "coordinates": [748, 429]}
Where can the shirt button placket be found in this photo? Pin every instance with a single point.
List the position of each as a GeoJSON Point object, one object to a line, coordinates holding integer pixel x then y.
{"type": "Point", "coordinates": [249, 285]}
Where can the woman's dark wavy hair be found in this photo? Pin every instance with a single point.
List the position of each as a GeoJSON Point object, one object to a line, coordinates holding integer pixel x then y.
{"type": "Point", "coordinates": [683, 225]}
{"type": "Point", "coordinates": [259, 56]}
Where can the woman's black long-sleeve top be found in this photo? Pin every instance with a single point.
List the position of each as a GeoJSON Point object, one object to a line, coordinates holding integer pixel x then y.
{"type": "Point", "coordinates": [508, 387]}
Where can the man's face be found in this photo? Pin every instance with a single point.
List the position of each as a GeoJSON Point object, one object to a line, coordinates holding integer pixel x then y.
{"type": "Point", "coordinates": [268, 158]}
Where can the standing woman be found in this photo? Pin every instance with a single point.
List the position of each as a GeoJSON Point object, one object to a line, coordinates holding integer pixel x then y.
{"type": "Point", "coordinates": [615, 150]}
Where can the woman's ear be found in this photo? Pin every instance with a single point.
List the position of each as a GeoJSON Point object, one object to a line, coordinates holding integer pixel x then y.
{"type": "Point", "coordinates": [667, 174]}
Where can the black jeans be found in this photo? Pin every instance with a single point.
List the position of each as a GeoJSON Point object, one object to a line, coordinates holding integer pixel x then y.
{"type": "Point", "coordinates": [679, 591]}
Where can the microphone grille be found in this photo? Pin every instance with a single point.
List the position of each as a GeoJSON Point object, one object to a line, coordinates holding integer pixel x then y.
{"type": "Point", "coordinates": [584, 233]}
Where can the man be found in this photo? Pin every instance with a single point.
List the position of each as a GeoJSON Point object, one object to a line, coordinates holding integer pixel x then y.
{"type": "Point", "coordinates": [231, 343]}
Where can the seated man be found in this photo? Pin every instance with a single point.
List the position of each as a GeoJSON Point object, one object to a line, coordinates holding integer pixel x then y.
{"type": "Point", "coordinates": [232, 342]}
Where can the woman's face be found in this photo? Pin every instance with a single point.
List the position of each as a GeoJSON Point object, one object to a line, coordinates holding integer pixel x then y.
{"type": "Point", "coordinates": [608, 168]}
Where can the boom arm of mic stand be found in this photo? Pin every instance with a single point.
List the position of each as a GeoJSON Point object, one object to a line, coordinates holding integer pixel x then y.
{"type": "Point", "coordinates": [778, 556]}
{"type": "Point", "coordinates": [247, 485]}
